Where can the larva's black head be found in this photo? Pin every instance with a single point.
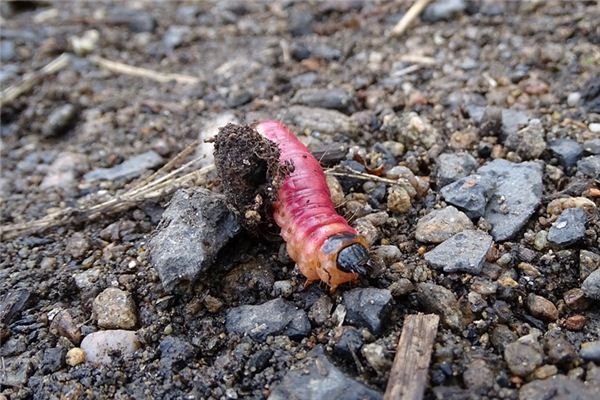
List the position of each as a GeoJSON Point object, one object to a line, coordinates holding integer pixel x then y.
{"type": "Point", "coordinates": [354, 258]}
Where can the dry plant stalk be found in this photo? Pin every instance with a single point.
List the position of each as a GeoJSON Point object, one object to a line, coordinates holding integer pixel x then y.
{"type": "Point", "coordinates": [121, 68]}
{"type": "Point", "coordinates": [148, 188]}
{"type": "Point", "coordinates": [412, 13]}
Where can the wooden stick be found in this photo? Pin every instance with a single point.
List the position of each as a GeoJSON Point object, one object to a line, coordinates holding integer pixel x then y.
{"type": "Point", "coordinates": [408, 377]}
{"type": "Point", "coordinates": [120, 68]}
{"type": "Point", "coordinates": [9, 94]}
{"type": "Point", "coordinates": [412, 13]}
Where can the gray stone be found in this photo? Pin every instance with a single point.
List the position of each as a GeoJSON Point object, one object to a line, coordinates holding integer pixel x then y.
{"type": "Point", "coordinates": [568, 151]}
{"type": "Point", "coordinates": [511, 120]}
{"type": "Point", "coordinates": [337, 99]}
{"type": "Point", "coordinates": [443, 10]}
{"type": "Point", "coordinates": [367, 307]}
{"type": "Point", "coordinates": [589, 166]}
{"type": "Point", "coordinates": [464, 252]}
{"type": "Point", "coordinates": [175, 36]}
{"type": "Point", "coordinates": [115, 309]}
{"type": "Point", "coordinates": [524, 355]}
{"type": "Point", "coordinates": [275, 317]}
{"type": "Point", "coordinates": [325, 121]}
{"type": "Point", "coordinates": [439, 300]}
{"type": "Point", "coordinates": [175, 352]}
{"type": "Point", "coordinates": [316, 378]}
{"type": "Point", "coordinates": [592, 146]}
{"type": "Point", "coordinates": [478, 375]}
{"type": "Point", "coordinates": [99, 347]}
{"type": "Point", "coordinates": [128, 169]}
{"type": "Point", "coordinates": [15, 301]}
{"type": "Point", "coordinates": [194, 227]}
{"type": "Point", "coordinates": [470, 194]}
{"type": "Point", "coordinates": [529, 142]}
{"type": "Point", "coordinates": [558, 387]}
{"type": "Point", "coordinates": [52, 359]}
{"type": "Point", "coordinates": [453, 166]}
{"type": "Point", "coordinates": [59, 120]}
{"type": "Point", "coordinates": [7, 51]}
{"type": "Point", "coordinates": [516, 196]}
{"type": "Point", "coordinates": [588, 263]}
{"type": "Point", "coordinates": [16, 371]}
{"type": "Point", "coordinates": [569, 228]}
{"type": "Point", "coordinates": [440, 225]}
{"type": "Point", "coordinates": [590, 351]}
{"type": "Point", "coordinates": [591, 285]}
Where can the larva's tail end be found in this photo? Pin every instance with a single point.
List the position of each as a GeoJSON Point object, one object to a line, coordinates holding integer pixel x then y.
{"type": "Point", "coordinates": [354, 259]}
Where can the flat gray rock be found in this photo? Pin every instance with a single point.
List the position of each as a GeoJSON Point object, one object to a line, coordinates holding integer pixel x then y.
{"type": "Point", "coordinates": [128, 169]}
{"type": "Point", "coordinates": [516, 195]}
{"type": "Point", "coordinates": [463, 252]}
{"type": "Point", "coordinates": [193, 228]}
{"type": "Point", "coordinates": [591, 285]}
{"type": "Point", "coordinates": [589, 166]}
{"type": "Point", "coordinates": [470, 194]}
{"type": "Point", "coordinates": [453, 166]}
{"type": "Point", "coordinates": [317, 378]}
{"type": "Point", "coordinates": [440, 225]}
{"type": "Point", "coordinates": [275, 317]}
{"type": "Point", "coordinates": [569, 228]}
{"type": "Point", "coordinates": [568, 151]}
{"type": "Point", "coordinates": [367, 307]}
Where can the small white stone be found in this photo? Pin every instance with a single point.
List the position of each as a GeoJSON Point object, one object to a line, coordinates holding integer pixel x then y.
{"type": "Point", "coordinates": [595, 127]}
{"type": "Point", "coordinates": [573, 99]}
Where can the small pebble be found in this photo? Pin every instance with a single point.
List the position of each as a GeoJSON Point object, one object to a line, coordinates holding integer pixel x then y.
{"type": "Point", "coordinates": [115, 309]}
{"type": "Point", "coordinates": [569, 228]}
{"type": "Point", "coordinates": [75, 356]}
{"type": "Point", "coordinates": [524, 355]}
{"type": "Point", "coordinates": [542, 308]}
{"type": "Point", "coordinates": [575, 322]}
{"type": "Point", "coordinates": [575, 299]}
{"type": "Point", "coordinates": [464, 251]}
{"type": "Point", "coordinates": [590, 351]}
{"type": "Point", "coordinates": [442, 224]}
{"type": "Point", "coordinates": [591, 285]}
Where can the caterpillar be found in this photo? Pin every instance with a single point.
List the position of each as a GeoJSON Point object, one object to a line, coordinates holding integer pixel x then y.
{"type": "Point", "coordinates": [321, 242]}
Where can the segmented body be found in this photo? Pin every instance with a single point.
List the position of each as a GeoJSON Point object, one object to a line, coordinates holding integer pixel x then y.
{"type": "Point", "coordinates": [314, 232]}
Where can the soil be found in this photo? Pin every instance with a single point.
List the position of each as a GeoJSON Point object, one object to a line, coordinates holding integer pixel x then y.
{"type": "Point", "coordinates": [251, 59]}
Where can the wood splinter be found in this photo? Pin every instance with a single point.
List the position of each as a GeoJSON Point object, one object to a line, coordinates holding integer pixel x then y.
{"type": "Point", "coordinates": [408, 376]}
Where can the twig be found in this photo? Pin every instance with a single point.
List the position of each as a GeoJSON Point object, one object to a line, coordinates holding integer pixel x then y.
{"type": "Point", "coordinates": [140, 192]}
{"type": "Point", "coordinates": [417, 59]}
{"type": "Point", "coordinates": [120, 68]}
{"type": "Point", "coordinates": [408, 377]}
{"type": "Point", "coordinates": [408, 70]}
{"type": "Point", "coordinates": [412, 13]}
{"type": "Point", "coordinates": [12, 92]}
{"type": "Point", "coordinates": [362, 176]}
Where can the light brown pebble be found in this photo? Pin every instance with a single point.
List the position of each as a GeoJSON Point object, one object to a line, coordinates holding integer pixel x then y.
{"type": "Point", "coordinates": [575, 299]}
{"type": "Point", "coordinates": [398, 199]}
{"type": "Point", "coordinates": [212, 304]}
{"type": "Point", "coordinates": [541, 307]}
{"type": "Point", "coordinates": [75, 356]}
{"type": "Point", "coordinates": [545, 371]}
{"type": "Point", "coordinates": [63, 325]}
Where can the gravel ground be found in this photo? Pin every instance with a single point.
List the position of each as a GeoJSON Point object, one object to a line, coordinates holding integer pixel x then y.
{"type": "Point", "coordinates": [483, 121]}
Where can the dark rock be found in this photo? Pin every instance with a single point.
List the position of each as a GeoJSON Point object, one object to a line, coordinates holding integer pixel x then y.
{"type": "Point", "coordinates": [502, 336]}
{"type": "Point", "coordinates": [367, 307]}
{"type": "Point", "coordinates": [52, 359]}
{"type": "Point", "coordinates": [590, 351]}
{"type": "Point", "coordinates": [175, 351]}
{"type": "Point", "coordinates": [557, 387]}
{"type": "Point", "coordinates": [63, 325]}
{"type": "Point", "coordinates": [260, 360]}
{"type": "Point", "coordinates": [15, 301]}
{"type": "Point", "coordinates": [443, 10]}
{"type": "Point", "coordinates": [246, 282]}
{"type": "Point", "coordinates": [78, 245]}
{"type": "Point", "coordinates": [275, 317]}
{"type": "Point", "coordinates": [337, 99]}
{"type": "Point", "coordinates": [592, 146]}
{"type": "Point", "coordinates": [348, 344]}
{"type": "Point", "coordinates": [128, 169]}
{"type": "Point", "coordinates": [512, 120]}
{"type": "Point", "coordinates": [320, 310]}
{"type": "Point", "coordinates": [589, 166]}
{"type": "Point", "coordinates": [567, 151]}
{"type": "Point", "coordinates": [453, 166]}
{"type": "Point", "coordinates": [60, 120]}
{"type": "Point", "coordinates": [194, 227]}
{"type": "Point", "coordinates": [440, 225]}
{"type": "Point", "coordinates": [491, 122]}
{"type": "Point", "coordinates": [569, 228]}
{"type": "Point", "coordinates": [464, 252]}
{"type": "Point", "coordinates": [13, 346]}
{"type": "Point", "coordinates": [591, 285]}
{"type": "Point", "coordinates": [318, 379]}
{"type": "Point", "coordinates": [478, 375]}
{"type": "Point", "coordinates": [441, 301]}
{"type": "Point", "coordinates": [559, 350]}
{"type": "Point", "coordinates": [524, 355]}
{"type": "Point", "coordinates": [470, 194]}
{"type": "Point", "coordinates": [516, 196]}
{"type": "Point", "coordinates": [591, 94]}
{"type": "Point", "coordinates": [529, 142]}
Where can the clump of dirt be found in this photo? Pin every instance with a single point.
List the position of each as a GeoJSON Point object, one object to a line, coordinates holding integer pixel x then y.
{"type": "Point", "coordinates": [250, 172]}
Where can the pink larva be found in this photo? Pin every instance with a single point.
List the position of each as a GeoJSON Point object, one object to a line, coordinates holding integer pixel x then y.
{"type": "Point", "coordinates": [321, 242]}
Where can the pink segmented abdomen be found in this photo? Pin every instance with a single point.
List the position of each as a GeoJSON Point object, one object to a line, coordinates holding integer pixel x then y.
{"type": "Point", "coordinates": [305, 213]}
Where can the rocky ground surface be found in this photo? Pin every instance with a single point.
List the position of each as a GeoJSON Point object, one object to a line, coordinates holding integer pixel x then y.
{"type": "Point", "coordinates": [482, 121]}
